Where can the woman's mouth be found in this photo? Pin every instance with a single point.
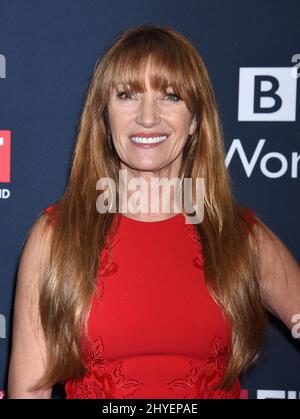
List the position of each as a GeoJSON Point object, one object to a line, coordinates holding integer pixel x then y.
{"type": "Point", "coordinates": [148, 142]}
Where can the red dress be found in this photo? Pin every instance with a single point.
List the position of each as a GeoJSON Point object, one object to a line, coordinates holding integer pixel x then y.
{"type": "Point", "coordinates": [156, 330]}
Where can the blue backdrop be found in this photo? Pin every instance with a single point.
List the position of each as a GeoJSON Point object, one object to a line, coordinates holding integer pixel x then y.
{"type": "Point", "coordinates": [48, 49]}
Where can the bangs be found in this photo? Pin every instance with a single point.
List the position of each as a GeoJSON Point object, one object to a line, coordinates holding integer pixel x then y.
{"type": "Point", "coordinates": [168, 69]}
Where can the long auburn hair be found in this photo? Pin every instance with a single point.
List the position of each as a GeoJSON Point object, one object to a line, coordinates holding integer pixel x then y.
{"type": "Point", "coordinates": [80, 231]}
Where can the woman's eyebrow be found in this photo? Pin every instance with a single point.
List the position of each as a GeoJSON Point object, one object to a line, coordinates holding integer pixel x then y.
{"type": "Point", "coordinates": [120, 83]}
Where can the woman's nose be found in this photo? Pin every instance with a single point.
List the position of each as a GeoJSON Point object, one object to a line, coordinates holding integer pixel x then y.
{"type": "Point", "coordinates": [148, 113]}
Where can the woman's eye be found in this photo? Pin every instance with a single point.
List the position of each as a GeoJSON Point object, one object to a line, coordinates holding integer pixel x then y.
{"type": "Point", "coordinates": [174, 98]}
{"type": "Point", "coordinates": [120, 95]}
{"type": "Point", "coordinates": [126, 95]}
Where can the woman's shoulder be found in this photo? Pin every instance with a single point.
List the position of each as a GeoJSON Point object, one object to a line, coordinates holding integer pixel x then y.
{"type": "Point", "coordinates": [50, 208]}
{"type": "Point", "coordinates": [249, 215]}
{"type": "Point", "coordinates": [51, 212]}
{"type": "Point", "coordinates": [250, 220]}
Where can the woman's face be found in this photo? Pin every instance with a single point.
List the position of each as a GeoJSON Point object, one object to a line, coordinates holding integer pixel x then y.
{"type": "Point", "coordinates": [134, 117]}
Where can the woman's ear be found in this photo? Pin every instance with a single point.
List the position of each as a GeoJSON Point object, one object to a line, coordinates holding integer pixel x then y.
{"type": "Point", "coordinates": [193, 125]}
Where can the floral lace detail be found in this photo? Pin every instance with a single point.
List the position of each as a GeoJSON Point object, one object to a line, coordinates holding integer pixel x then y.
{"type": "Point", "coordinates": [201, 378]}
{"type": "Point", "coordinates": [104, 379]}
{"type": "Point", "coordinates": [198, 259]}
{"type": "Point", "coordinates": [107, 264]}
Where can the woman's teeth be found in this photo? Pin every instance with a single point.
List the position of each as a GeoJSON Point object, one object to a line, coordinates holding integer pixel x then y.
{"type": "Point", "coordinates": [148, 140]}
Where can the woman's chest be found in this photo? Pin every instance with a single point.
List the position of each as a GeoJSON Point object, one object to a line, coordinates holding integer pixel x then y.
{"type": "Point", "coordinates": [153, 298]}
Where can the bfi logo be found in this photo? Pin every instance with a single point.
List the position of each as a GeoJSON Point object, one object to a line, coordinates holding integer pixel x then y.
{"type": "Point", "coordinates": [5, 144]}
{"type": "Point", "coordinates": [5, 156]}
{"type": "Point", "coordinates": [267, 94]}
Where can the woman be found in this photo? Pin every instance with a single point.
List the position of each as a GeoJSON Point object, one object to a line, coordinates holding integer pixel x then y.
{"type": "Point", "coordinates": [142, 304]}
